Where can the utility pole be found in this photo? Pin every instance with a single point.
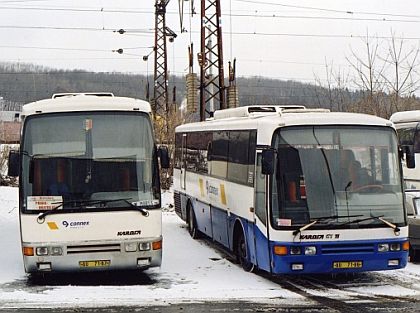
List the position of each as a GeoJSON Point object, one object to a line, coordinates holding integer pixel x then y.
{"type": "Point", "coordinates": [212, 89]}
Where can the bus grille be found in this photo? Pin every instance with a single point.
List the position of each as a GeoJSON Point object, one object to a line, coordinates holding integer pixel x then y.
{"type": "Point", "coordinates": [177, 202]}
{"type": "Point", "coordinates": [347, 248]}
{"type": "Point", "coordinates": [94, 248]}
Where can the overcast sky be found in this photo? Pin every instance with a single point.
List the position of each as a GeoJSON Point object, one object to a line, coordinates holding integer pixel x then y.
{"type": "Point", "coordinates": [276, 38]}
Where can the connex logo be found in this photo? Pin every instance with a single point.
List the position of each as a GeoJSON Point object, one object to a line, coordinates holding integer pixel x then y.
{"type": "Point", "coordinates": [76, 224]}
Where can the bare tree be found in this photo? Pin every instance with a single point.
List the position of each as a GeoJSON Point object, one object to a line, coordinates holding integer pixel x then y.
{"type": "Point", "coordinates": [368, 77]}
{"type": "Point", "coordinates": [401, 78]}
{"type": "Point", "coordinates": [334, 89]}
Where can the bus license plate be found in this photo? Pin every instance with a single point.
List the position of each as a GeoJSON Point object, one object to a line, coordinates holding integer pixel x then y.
{"type": "Point", "coordinates": [97, 263]}
{"type": "Point", "coordinates": [348, 264]}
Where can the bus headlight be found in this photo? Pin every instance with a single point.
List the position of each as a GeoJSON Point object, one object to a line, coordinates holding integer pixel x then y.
{"type": "Point", "coordinates": [310, 250]}
{"type": "Point", "coordinates": [41, 251]}
{"type": "Point", "coordinates": [130, 247]}
{"type": "Point", "coordinates": [56, 251]}
{"type": "Point", "coordinates": [144, 246]}
{"type": "Point", "coordinates": [295, 250]}
{"type": "Point", "coordinates": [394, 247]}
{"type": "Point", "coordinates": [383, 247]}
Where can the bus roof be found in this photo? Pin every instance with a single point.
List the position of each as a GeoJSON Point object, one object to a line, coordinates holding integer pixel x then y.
{"type": "Point", "coordinates": [405, 117]}
{"type": "Point", "coordinates": [267, 123]}
{"type": "Point", "coordinates": [71, 102]}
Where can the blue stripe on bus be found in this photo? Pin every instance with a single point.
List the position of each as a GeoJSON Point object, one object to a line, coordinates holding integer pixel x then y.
{"type": "Point", "coordinates": [327, 253]}
{"type": "Point", "coordinates": [217, 224]}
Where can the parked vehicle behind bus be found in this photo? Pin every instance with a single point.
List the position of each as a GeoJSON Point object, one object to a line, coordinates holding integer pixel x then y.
{"type": "Point", "coordinates": [294, 190]}
{"type": "Point", "coordinates": [89, 196]}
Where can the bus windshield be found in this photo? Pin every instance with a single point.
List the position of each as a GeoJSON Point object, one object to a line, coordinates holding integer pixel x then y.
{"type": "Point", "coordinates": [89, 161]}
{"type": "Point", "coordinates": [344, 176]}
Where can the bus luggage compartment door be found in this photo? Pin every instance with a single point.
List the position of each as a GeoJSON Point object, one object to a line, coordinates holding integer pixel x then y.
{"type": "Point", "coordinates": [203, 217]}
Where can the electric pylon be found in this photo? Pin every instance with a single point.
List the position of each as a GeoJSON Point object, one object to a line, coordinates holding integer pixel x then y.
{"type": "Point", "coordinates": [160, 90]}
{"type": "Point", "coordinates": [212, 90]}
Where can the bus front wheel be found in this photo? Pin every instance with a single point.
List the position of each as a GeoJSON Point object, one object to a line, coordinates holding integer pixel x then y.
{"type": "Point", "coordinates": [192, 224]}
{"type": "Point", "coordinates": [414, 255]}
{"type": "Point", "coordinates": [241, 252]}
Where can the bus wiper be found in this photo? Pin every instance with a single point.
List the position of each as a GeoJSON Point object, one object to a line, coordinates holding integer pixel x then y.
{"type": "Point", "coordinates": [373, 217]}
{"type": "Point", "coordinates": [301, 229]}
{"type": "Point", "coordinates": [41, 216]}
{"type": "Point", "coordinates": [393, 226]}
{"type": "Point", "coordinates": [360, 220]}
{"type": "Point", "coordinates": [140, 209]}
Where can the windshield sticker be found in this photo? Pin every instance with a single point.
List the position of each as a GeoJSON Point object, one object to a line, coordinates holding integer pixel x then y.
{"type": "Point", "coordinates": [284, 222]}
{"type": "Point", "coordinates": [146, 202]}
{"type": "Point", "coordinates": [42, 203]}
{"type": "Point", "coordinates": [88, 124]}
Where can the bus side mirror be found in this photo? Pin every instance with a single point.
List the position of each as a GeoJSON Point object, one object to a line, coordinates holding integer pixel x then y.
{"type": "Point", "coordinates": [410, 159]}
{"type": "Point", "coordinates": [164, 157]}
{"type": "Point", "coordinates": [13, 163]}
{"type": "Point", "coordinates": [267, 162]}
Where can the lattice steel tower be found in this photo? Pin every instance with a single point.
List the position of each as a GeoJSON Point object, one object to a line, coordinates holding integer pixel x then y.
{"type": "Point", "coordinates": [160, 88]}
{"type": "Point", "coordinates": [212, 90]}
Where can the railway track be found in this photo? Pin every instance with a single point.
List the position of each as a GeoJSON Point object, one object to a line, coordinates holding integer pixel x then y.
{"type": "Point", "coordinates": [365, 292]}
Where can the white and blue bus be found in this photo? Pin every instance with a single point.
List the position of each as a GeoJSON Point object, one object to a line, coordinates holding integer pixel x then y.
{"type": "Point", "coordinates": [294, 190]}
{"type": "Point", "coordinates": [89, 194]}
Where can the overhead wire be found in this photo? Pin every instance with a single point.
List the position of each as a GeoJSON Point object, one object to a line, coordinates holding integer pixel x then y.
{"type": "Point", "coordinates": [271, 15]}
{"type": "Point", "coordinates": [326, 10]}
{"type": "Point", "coordinates": [255, 33]}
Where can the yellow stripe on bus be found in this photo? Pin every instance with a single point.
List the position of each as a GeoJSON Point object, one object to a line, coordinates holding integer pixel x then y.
{"type": "Point", "coordinates": [223, 194]}
{"type": "Point", "coordinates": [52, 225]}
{"type": "Point", "coordinates": [201, 183]}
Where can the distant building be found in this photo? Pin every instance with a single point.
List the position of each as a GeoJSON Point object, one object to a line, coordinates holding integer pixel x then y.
{"type": "Point", "coordinates": [9, 122]}
{"type": "Point", "coordinates": [9, 132]}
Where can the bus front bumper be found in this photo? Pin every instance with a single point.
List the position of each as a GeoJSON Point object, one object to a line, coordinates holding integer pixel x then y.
{"type": "Point", "coordinates": [348, 257]}
{"type": "Point", "coordinates": [92, 256]}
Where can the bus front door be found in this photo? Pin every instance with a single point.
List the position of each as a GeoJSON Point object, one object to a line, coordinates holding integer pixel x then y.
{"type": "Point", "coordinates": [261, 238]}
{"type": "Point", "coordinates": [183, 160]}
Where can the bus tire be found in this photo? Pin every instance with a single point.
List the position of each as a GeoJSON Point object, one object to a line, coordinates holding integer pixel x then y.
{"type": "Point", "coordinates": [414, 255]}
{"type": "Point", "coordinates": [241, 252]}
{"type": "Point", "coordinates": [192, 223]}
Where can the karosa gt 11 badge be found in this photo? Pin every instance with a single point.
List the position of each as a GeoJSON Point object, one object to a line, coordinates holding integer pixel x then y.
{"type": "Point", "coordinates": [320, 237]}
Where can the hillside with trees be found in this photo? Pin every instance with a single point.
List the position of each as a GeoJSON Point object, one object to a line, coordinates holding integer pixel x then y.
{"type": "Point", "coordinates": [26, 83]}
{"type": "Point", "coordinates": [23, 83]}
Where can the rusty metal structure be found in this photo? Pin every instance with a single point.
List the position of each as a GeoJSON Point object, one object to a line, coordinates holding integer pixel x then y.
{"type": "Point", "coordinates": [212, 90]}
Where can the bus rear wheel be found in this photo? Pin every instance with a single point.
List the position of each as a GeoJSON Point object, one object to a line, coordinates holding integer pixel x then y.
{"type": "Point", "coordinates": [192, 224]}
{"type": "Point", "coordinates": [241, 252]}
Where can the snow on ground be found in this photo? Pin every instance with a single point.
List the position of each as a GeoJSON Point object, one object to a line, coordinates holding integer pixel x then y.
{"type": "Point", "coordinates": [191, 271]}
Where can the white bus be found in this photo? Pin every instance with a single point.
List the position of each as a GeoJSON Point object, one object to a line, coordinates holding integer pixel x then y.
{"type": "Point", "coordinates": [89, 195]}
{"type": "Point", "coordinates": [407, 124]}
{"type": "Point", "coordinates": [294, 190]}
